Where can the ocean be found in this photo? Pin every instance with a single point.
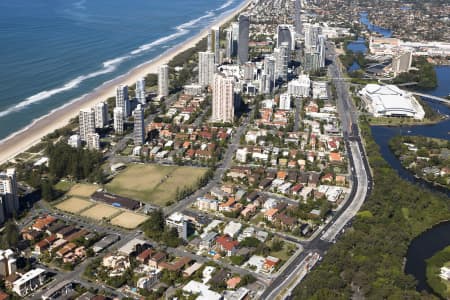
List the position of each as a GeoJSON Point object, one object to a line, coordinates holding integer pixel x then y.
{"type": "Point", "coordinates": [55, 51]}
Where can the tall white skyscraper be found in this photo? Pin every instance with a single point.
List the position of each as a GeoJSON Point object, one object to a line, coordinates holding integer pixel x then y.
{"type": "Point", "coordinates": [206, 68]}
{"type": "Point", "coordinates": [86, 120]}
{"type": "Point", "coordinates": [122, 100]}
{"type": "Point", "coordinates": [118, 120]}
{"type": "Point", "coordinates": [139, 129]}
{"type": "Point", "coordinates": [216, 38]}
{"type": "Point", "coordinates": [101, 114]}
{"type": "Point", "coordinates": [223, 99]}
{"type": "Point", "coordinates": [312, 32]}
{"type": "Point", "coordinates": [281, 61]}
{"type": "Point", "coordinates": [269, 71]}
{"type": "Point", "coordinates": [8, 194]}
{"type": "Point", "coordinates": [209, 41]}
{"type": "Point", "coordinates": [229, 43]}
{"type": "Point", "coordinates": [163, 81]}
{"type": "Point", "coordinates": [297, 18]}
{"type": "Point", "coordinates": [93, 141]}
{"type": "Point", "coordinates": [321, 51]}
{"type": "Point", "coordinates": [140, 91]}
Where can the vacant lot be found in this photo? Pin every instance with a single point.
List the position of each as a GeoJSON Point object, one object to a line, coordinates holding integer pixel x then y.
{"type": "Point", "coordinates": [154, 183]}
{"type": "Point", "coordinates": [83, 190]}
{"type": "Point", "coordinates": [74, 205]}
{"type": "Point", "coordinates": [128, 220]}
{"type": "Point", "coordinates": [100, 211]}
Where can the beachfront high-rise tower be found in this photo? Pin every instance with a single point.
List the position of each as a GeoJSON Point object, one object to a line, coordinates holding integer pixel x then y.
{"type": "Point", "coordinates": [216, 46]}
{"type": "Point", "coordinates": [223, 98]}
{"type": "Point", "coordinates": [229, 43]}
{"type": "Point", "coordinates": [163, 81]}
{"type": "Point", "coordinates": [122, 100]}
{"type": "Point", "coordinates": [86, 120]}
{"type": "Point", "coordinates": [101, 114]}
{"type": "Point", "coordinates": [118, 120]}
{"type": "Point", "coordinates": [205, 68]}
{"type": "Point", "coordinates": [139, 130]}
{"type": "Point", "coordinates": [9, 199]}
{"type": "Point", "coordinates": [140, 91]}
{"type": "Point", "coordinates": [244, 27]}
{"type": "Point", "coordinates": [235, 36]}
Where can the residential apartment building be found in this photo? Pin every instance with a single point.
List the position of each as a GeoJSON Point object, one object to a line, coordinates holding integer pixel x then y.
{"type": "Point", "coordinates": [139, 129]}
{"type": "Point", "coordinates": [223, 99]}
{"type": "Point", "coordinates": [118, 120]}
{"type": "Point", "coordinates": [163, 81]}
{"type": "Point", "coordinates": [101, 115]}
{"type": "Point", "coordinates": [86, 120]}
{"type": "Point", "coordinates": [205, 68]}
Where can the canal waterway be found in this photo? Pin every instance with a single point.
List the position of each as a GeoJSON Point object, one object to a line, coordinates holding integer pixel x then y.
{"type": "Point", "coordinates": [436, 238]}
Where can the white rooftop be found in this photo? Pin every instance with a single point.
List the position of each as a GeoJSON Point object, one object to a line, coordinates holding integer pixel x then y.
{"type": "Point", "coordinates": [203, 291]}
{"type": "Point", "coordinates": [29, 276]}
{"type": "Point", "coordinates": [129, 247]}
{"type": "Point", "coordinates": [389, 100]}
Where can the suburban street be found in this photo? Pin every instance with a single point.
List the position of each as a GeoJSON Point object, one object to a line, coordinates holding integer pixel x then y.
{"type": "Point", "coordinates": [283, 285]}
{"type": "Point", "coordinates": [222, 167]}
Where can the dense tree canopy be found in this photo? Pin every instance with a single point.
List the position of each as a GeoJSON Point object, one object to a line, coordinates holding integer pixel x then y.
{"type": "Point", "coordinates": [77, 163]}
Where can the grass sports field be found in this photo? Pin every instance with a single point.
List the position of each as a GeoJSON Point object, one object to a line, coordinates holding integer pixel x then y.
{"type": "Point", "coordinates": [74, 205]}
{"type": "Point", "coordinates": [100, 211]}
{"type": "Point", "coordinates": [128, 220]}
{"type": "Point", "coordinates": [83, 190]}
{"type": "Point", "coordinates": [154, 183]}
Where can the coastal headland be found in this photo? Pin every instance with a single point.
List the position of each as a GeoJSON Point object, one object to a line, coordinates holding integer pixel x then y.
{"type": "Point", "coordinates": [32, 134]}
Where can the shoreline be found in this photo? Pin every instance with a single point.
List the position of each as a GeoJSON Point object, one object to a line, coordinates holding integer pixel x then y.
{"type": "Point", "coordinates": [32, 134]}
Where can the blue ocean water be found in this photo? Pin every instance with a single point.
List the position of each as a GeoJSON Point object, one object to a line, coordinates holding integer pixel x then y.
{"type": "Point", "coordinates": [54, 51]}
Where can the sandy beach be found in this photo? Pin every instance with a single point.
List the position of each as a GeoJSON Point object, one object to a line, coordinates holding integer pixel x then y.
{"type": "Point", "coordinates": [22, 140]}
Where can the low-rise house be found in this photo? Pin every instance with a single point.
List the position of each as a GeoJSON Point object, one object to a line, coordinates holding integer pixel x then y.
{"type": "Point", "coordinates": [232, 229]}
{"type": "Point", "coordinates": [265, 183]}
{"type": "Point", "coordinates": [227, 244]}
{"type": "Point", "coordinates": [43, 223]}
{"type": "Point", "coordinates": [176, 265]}
{"type": "Point", "coordinates": [145, 255]}
{"type": "Point", "coordinates": [228, 205]}
{"type": "Point", "coordinates": [233, 282]}
{"type": "Point", "coordinates": [208, 240]}
{"type": "Point", "coordinates": [285, 222]}
{"type": "Point", "coordinates": [201, 290]}
{"type": "Point", "coordinates": [192, 269]}
{"type": "Point", "coordinates": [157, 259]}
{"type": "Point", "coordinates": [270, 263]}
{"type": "Point", "coordinates": [249, 210]}
{"type": "Point", "coordinates": [270, 214]}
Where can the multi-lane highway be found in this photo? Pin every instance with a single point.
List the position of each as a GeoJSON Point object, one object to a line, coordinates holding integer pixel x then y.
{"type": "Point", "coordinates": [282, 286]}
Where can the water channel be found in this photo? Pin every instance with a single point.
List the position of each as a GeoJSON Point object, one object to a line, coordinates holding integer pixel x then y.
{"type": "Point", "coordinates": [435, 239]}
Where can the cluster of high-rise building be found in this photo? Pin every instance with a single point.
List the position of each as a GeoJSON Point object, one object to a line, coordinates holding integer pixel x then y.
{"type": "Point", "coordinates": [9, 198]}
{"type": "Point", "coordinates": [90, 119]}
{"type": "Point", "coordinates": [97, 117]}
{"type": "Point", "coordinates": [314, 51]}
